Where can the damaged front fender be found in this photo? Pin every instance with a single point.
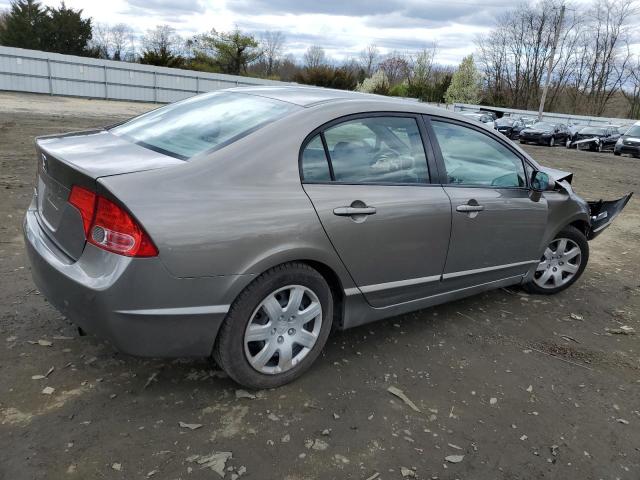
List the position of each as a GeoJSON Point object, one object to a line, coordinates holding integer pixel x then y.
{"type": "Point", "coordinates": [603, 212]}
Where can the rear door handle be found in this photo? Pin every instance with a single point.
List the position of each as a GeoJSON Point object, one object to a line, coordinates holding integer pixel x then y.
{"type": "Point", "coordinates": [469, 208]}
{"type": "Point", "coordinates": [350, 211]}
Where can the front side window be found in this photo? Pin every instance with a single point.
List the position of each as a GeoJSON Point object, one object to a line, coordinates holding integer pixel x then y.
{"type": "Point", "coordinates": [473, 158]}
{"type": "Point", "coordinates": [202, 123]}
{"type": "Point", "coordinates": [377, 150]}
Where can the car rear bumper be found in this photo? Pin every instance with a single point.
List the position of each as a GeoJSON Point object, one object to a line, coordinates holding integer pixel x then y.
{"type": "Point", "coordinates": [132, 302]}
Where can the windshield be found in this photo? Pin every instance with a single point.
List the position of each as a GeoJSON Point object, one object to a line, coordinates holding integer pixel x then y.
{"type": "Point", "coordinates": [593, 131]}
{"type": "Point", "coordinates": [202, 123]}
{"type": "Point", "coordinates": [633, 131]}
{"type": "Point", "coordinates": [543, 126]}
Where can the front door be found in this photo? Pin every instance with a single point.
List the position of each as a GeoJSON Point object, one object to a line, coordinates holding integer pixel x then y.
{"type": "Point", "coordinates": [368, 180]}
{"type": "Point", "coordinates": [497, 228]}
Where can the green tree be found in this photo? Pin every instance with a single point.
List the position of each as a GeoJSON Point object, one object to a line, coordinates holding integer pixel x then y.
{"type": "Point", "coordinates": [65, 31]}
{"type": "Point", "coordinates": [23, 25]}
{"type": "Point", "coordinates": [327, 76]}
{"type": "Point", "coordinates": [231, 51]}
{"type": "Point", "coordinates": [465, 83]}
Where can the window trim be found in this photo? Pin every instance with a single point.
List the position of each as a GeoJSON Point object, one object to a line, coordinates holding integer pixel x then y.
{"type": "Point", "coordinates": [432, 168]}
{"type": "Point", "coordinates": [501, 141]}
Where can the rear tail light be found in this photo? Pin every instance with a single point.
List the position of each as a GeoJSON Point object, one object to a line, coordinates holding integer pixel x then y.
{"type": "Point", "coordinates": [108, 226]}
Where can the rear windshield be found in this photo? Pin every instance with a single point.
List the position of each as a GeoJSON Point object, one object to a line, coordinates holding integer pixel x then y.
{"type": "Point", "coordinates": [593, 131]}
{"type": "Point", "coordinates": [633, 131]}
{"type": "Point", "coordinates": [201, 123]}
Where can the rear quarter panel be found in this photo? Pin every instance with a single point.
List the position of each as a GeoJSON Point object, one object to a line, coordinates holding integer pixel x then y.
{"type": "Point", "coordinates": [240, 210]}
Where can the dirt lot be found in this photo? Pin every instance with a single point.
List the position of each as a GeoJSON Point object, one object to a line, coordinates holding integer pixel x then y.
{"type": "Point", "coordinates": [521, 386]}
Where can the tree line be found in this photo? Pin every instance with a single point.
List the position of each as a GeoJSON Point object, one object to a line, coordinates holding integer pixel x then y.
{"type": "Point", "coordinates": [594, 71]}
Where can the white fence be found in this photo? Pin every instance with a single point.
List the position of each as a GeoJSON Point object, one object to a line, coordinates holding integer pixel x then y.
{"type": "Point", "coordinates": [55, 74]}
{"type": "Point", "coordinates": [550, 117]}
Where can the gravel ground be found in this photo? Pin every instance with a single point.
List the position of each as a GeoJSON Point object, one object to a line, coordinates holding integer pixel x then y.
{"type": "Point", "coordinates": [508, 386]}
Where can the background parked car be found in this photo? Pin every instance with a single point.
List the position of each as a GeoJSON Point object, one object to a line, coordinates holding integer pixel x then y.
{"type": "Point", "coordinates": [573, 129]}
{"type": "Point", "coordinates": [545, 133]}
{"type": "Point", "coordinates": [629, 142]}
{"type": "Point", "coordinates": [596, 138]}
{"type": "Point", "coordinates": [511, 127]}
{"type": "Point", "coordinates": [481, 117]}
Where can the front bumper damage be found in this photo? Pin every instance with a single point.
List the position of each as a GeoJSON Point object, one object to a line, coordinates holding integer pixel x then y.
{"type": "Point", "coordinates": [603, 212]}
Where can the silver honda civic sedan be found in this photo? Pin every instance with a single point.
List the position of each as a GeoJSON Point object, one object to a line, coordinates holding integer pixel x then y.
{"type": "Point", "coordinates": [246, 224]}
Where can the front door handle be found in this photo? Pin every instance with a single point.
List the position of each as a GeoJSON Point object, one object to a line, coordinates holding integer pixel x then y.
{"type": "Point", "coordinates": [351, 211]}
{"type": "Point", "coordinates": [469, 208]}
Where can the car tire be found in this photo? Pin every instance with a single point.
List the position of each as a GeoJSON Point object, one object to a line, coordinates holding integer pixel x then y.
{"type": "Point", "coordinates": [599, 148]}
{"type": "Point", "coordinates": [568, 143]}
{"type": "Point", "coordinates": [233, 350]}
{"type": "Point", "coordinates": [617, 154]}
{"type": "Point", "coordinates": [552, 141]}
{"type": "Point", "coordinates": [522, 142]}
{"type": "Point", "coordinates": [555, 264]}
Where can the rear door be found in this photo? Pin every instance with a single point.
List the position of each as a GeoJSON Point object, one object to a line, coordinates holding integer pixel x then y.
{"type": "Point", "coordinates": [497, 229]}
{"type": "Point", "coordinates": [369, 181]}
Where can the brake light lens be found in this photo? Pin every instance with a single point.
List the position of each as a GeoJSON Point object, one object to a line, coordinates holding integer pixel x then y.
{"type": "Point", "coordinates": [110, 227]}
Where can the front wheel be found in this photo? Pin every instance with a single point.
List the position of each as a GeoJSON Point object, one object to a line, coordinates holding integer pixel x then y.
{"type": "Point", "coordinates": [568, 143]}
{"type": "Point", "coordinates": [562, 263]}
{"type": "Point", "coordinates": [552, 142]}
{"type": "Point", "coordinates": [276, 328]}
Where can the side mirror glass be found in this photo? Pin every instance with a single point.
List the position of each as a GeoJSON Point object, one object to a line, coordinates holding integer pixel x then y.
{"type": "Point", "coordinates": [540, 181]}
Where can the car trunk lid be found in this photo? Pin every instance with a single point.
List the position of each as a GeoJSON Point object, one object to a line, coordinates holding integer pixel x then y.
{"type": "Point", "coordinates": [80, 159]}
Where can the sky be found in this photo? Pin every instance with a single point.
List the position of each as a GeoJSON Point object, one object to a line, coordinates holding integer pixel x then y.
{"type": "Point", "coordinates": [342, 27]}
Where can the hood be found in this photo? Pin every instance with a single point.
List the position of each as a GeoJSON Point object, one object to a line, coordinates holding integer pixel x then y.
{"type": "Point", "coordinates": [557, 175]}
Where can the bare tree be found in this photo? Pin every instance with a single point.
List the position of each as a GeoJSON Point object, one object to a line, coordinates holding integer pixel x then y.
{"type": "Point", "coordinates": [163, 39]}
{"type": "Point", "coordinates": [122, 44]}
{"type": "Point", "coordinates": [396, 67]}
{"type": "Point", "coordinates": [272, 43]}
{"type": "Point", "coordinates": [632, 93]}
{"type": "Point", "coordinates": [369, 58]}
{"type": "Point", "coordinates": [314, 57]}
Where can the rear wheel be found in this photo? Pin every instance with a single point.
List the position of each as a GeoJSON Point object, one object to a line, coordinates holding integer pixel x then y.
{"type": "Point", "coordinates": [562, 262]}
{"type": "Point", "coordinates": [276, 328]}
{"type": "Point", "coordinates": [617, 154]}
{"type": "Point", "coordinates": [552, 142]}
{"type": "Point", "coordinates": [568, 143]}
{"type": "Point", "coordinates": [600, 147]}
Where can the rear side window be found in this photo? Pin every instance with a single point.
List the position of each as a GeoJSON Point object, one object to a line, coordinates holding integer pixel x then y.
{"type": "Point", "coordinates": [315, 166]}
{"type": "Point", "coordinates": [202, 123]}
{"type": "Point", "coordinates": [473, 158]}
{"type": "Point", "coordinates": [369, 150]}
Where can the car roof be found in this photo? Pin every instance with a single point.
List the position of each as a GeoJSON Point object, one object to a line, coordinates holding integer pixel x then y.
{"type": "Point", "coordinates": [306, 96]}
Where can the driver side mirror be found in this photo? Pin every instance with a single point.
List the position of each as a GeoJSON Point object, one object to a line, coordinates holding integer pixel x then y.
{"type": "Point", "coordinates": [540, 181]}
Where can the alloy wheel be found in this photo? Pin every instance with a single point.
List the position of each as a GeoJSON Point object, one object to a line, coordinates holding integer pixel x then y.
{"type": "Point", "coordinates": [283, 329]}
{"type": "Point", "coordinates": [559, 264]}
{"type": "Point", "coordinates": [552, 142]}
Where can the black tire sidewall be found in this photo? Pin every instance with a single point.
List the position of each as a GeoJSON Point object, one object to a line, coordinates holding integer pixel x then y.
{"type": "Point", "coordinates": [580, 239]}
{"type": "Point", "coordinates": [229, 349]}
